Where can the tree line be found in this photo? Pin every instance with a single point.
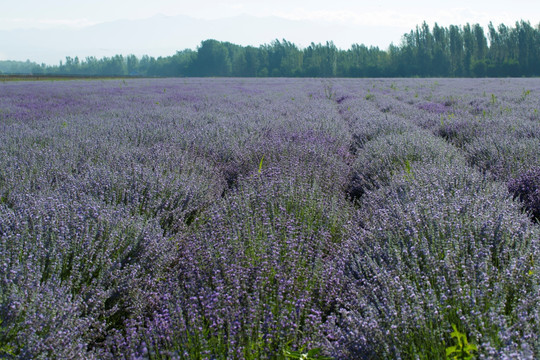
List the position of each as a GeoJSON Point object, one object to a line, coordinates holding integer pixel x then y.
{"type": "Point", "coordinates": [454, 51]}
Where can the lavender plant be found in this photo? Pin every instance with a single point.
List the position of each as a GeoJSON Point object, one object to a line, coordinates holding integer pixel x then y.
{"type": "Point", "coordinates": [526, 188]}
{"type": "Point", "coordinates": [385, 155]}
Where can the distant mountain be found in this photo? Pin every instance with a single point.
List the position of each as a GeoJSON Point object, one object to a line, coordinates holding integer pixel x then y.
{"type": "Point", "coordinates": [163, 35]}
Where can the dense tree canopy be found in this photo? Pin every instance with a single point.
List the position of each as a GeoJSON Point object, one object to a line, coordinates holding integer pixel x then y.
{"type": "Point", "coordinates": [455, 51]}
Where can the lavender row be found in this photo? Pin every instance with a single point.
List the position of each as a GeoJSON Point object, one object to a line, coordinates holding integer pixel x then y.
{"type": "Point", "coordinates": [494, 122]}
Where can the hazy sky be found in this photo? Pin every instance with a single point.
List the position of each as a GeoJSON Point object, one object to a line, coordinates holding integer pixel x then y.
{"type": "Point", "coordinates": [386, 20]}
{"type": "Point", "coordinates": [46, 13]}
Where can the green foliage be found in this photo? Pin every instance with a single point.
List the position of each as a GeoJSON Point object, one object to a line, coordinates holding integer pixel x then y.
{"type": "Point", "coordinates": [260, 164]}
{"type": "Point", "coordinates": [408, 166]}
{"type": "Point", "coordinates": [329, 91]}
{"type": "Point", "coordinates": [462, 350]}
{"type": "Point", "coordinates": [524, 95]}
{"type": "Point", "coordinates": [409, 175]}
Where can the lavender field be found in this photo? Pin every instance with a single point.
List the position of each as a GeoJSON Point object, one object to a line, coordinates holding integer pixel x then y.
{"type": "Point", "coordinates": [270, 219]}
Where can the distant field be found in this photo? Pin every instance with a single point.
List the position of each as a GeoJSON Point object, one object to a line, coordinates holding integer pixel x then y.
{"type": "Point", "coordinates": [10, 77]}
{"type": "Point", "coordinates": [270, 218]}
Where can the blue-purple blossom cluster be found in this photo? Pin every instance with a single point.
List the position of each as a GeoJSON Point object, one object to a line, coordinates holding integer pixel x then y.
{"type": "Point", "coordinates": [249, 218]}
